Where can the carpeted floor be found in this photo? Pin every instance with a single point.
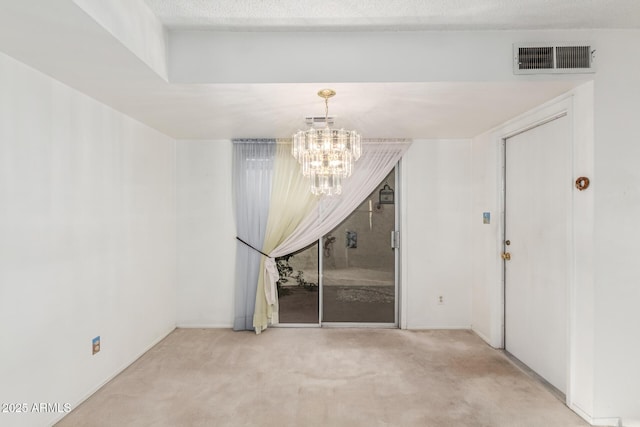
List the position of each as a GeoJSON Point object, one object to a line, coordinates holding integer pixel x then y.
{"type": "Point", "coordinates": [323, 377]}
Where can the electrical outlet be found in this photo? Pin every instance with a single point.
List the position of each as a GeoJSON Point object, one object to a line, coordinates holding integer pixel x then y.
{"type": "Point", "coordinates": [95, 344]}
{"type": "Point", "coordinates": [440, 300]}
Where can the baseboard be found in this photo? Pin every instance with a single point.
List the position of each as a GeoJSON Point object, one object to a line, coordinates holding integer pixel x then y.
{"type": "Point", "coordinates": [581, 413]}
{"type": "Point", "coordinates": [115, 374]}
{"type": "Point", "coordinates": [204, 326]}
{"type": "Point", "coordinates": [609, 422]}
{"type": "Point", "coordinates": [439, 328]}
{"type": "Point", "coordinates": [482, 336]}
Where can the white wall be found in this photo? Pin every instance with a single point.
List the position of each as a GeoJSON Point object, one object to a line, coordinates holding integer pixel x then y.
{"type": "Point", "coordinates": [435, 227]}
{"type": "Point", "coordinates": [486, 276]}
{"type": "Point", "coordinates": [384, 56]}
{"type": "Point", "coordinates": [87, 241]}
{"type": "Point", "coordinates": [206, 234]}
{"type": "Point", "coordinates": [135, 26]}
{"type": "Point", "coordinates": [617, 209]}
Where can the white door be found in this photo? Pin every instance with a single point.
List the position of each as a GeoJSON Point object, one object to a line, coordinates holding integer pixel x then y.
{"type": "Point", "coordinates": [537, 208]}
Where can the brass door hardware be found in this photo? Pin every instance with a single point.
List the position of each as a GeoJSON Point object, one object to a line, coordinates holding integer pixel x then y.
{"type": "Point", "coordinates": [582, 183]}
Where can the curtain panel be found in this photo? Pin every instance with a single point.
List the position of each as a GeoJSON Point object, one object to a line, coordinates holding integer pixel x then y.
{"type": "Point", "coordinates": [291, 202]}
{"type": "Point", "coordinates": [253, 162]}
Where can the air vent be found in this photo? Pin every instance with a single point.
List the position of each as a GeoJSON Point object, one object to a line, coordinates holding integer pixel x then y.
{"type": "Point", "coordinates": [311, 121]}
{"type": "Point", "coordinates": [553, 58]}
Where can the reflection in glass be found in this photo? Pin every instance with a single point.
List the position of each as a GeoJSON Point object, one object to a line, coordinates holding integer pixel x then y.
{"type": "Point", "coordinates": [359, 263]}
{"type": "Point", "coordinates": [298, 286]}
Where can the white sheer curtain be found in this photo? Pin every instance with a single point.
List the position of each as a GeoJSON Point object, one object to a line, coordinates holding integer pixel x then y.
{"type": "Point", "coordinates": [377, 160]}
{"type": "Point", "coordinates": [253, 163]}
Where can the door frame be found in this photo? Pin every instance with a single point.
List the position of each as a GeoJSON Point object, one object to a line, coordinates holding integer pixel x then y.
{"type": "Point", "coordinates": [568, 239]}
{"type": "Point", "coordinates": [399, 177]}
{"type": "Point", "coordinates": [578, 106]}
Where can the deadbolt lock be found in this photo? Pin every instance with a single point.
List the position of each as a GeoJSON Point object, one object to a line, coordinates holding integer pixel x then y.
{"type": "Point", "coordinates": [506, 256]}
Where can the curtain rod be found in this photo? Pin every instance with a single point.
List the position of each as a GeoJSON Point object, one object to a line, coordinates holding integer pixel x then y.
{"type": "Point", "coordinates": [289, 140]}
{"type": "Point", "coordinates": [253, 140]}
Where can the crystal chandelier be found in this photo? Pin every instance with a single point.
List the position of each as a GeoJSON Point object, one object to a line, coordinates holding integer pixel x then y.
{"type": "Point", "coordinates": [326, 155]}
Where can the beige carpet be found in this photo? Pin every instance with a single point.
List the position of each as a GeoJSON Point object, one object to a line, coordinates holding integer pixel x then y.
{"type": "Point", "coordinates": [323, 377]}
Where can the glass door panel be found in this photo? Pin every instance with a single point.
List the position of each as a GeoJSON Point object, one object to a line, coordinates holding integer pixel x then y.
{"type": "Point", "coordinates": [359, 263]}
{"type": "Point", "coordinates": [298, 286]}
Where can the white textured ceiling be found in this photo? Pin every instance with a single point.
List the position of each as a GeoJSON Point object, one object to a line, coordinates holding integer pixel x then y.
{"type": "Point", "coordinates": [377, 110]}
{"type": "Point", "coordinates": [396, 14]}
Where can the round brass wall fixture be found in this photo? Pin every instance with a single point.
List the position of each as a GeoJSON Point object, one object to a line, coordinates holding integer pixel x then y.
{"type": "Point", "coordinates": [582, 183]}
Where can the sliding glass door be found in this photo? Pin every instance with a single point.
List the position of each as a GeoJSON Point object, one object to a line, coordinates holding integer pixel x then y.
{"type": "Point", "coordinates": [349, 276]}
{"type": "Point", "coordinates": [359, 262]}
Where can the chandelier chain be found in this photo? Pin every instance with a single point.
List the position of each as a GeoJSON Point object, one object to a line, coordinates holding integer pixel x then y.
{"type": "Point", "coordinates": [326, 111]}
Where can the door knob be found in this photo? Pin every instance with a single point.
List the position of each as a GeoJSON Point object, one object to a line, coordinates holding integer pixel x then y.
{"type": "Point", "coordinates": [506, 256]}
